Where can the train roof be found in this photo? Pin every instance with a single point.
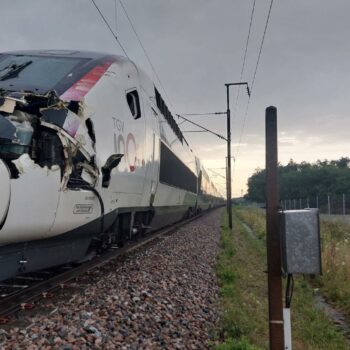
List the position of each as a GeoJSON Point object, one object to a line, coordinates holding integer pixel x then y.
{"type": "Point", "coordinates": [77, 63]}
{"type": "Point", "coordinates": [67, 53]}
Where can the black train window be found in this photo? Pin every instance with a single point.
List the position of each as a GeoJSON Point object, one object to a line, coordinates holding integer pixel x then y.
{"type": "Point", "coordinates": [133, 100]}
{"type": "Point", "coordinates": [175, 173]}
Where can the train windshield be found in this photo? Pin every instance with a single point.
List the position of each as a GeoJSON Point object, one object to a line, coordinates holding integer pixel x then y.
{"type": "Point", "coordinates": [38, 74]}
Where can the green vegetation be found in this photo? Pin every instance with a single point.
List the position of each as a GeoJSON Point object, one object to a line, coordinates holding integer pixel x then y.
{"type": "Point", "coordinates": [243, 294]}
{"type": "Point", "coordinates": [233, 344]}
{"type": "Point", "coordinates": [304, 180]}
{"type": "Point", "coordinates": [335, 235]}
{"type": "Point", "coordinates": [255, 218]}
{"type": "Point", "coordinates": [335, 282]}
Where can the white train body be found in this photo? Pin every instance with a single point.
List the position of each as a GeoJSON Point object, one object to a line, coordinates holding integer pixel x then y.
{"type": "Point", "coordinates": [89, 156]}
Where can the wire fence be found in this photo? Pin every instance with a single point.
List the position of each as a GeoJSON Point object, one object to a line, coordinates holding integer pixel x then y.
{"type": "Point", "coordinates": [327, 204]}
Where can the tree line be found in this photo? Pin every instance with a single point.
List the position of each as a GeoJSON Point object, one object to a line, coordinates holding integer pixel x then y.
{"type": "Point", "coordinates": [301, 180]}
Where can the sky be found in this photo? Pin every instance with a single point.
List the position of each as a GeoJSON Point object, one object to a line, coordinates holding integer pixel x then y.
{"type": "Point", "coordinates": [196, 46]}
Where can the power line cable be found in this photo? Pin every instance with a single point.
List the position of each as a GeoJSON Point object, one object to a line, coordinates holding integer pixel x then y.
{"type": "Point", "coordinates": [202, 127]}
{"type": "Point", "coordinates": [254, 76]}
{"type": "Point", "coordinates": [144, 50]}
{"type": "Point", "coordinates": [201, 114]}
{"type": "Point", "coordinates": [245, 54]}
{"type": "Point", "coordinates": [116, 16]}
{"type": "Point", "coordinates": [109, 27]}
{"type": "Point", "coordinates": [242, 71]}
{"type": "Point", "coordinates": [247, 42]}
{"type": "Point", "coordinates": [261, 45]}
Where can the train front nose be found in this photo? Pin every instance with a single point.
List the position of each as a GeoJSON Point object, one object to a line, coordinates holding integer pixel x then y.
{"type": "Point", "coordinates": [4, 192]}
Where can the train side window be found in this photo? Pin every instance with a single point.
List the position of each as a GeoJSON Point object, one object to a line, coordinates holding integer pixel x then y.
{"type": "Point", "coordinates": [133, 100]}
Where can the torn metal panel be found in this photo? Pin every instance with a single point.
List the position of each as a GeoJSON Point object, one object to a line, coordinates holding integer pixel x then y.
{"type": "Point", "coordinates": [63, 118]}
{"type": "Point", "coordinates": [72, 124]}
{"type": "Point", "coordinates": [46, 144]}
{"type": "Point", "coordinates": [75, 137]}
{"type": "Point", "coordinates": [41, 131]}
{"type": "Point", "coordinates": [55, 116]}
{"type": "Point", "coordinates": [70, 138]}
{"type": "Point", "coordinates": [7, 105]}
{"type": "Point", "coordinates": [24, 163]}
{"type": "Point", "coordinates": [68, 168]}
{"type": "Point", "coordinates": [89, 173]}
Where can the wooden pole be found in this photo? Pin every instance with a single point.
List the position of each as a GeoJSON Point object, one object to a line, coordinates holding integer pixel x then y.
{"type": "Point", "coordinates": [273, 236]}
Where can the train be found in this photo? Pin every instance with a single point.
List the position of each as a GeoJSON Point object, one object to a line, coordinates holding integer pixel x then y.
{"type": "Point", "coordinates": [90, 157]}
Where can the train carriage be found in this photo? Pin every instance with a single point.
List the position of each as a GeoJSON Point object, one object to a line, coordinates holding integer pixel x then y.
{"type": "Point", "coordinates": [90, 156]}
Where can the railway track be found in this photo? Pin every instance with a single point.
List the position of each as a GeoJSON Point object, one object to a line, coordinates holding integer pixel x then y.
{"type": "Point", "coordinates": [25, 290]}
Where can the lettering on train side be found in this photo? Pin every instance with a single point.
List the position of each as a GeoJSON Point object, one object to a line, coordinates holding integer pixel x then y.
{"type": "Point", "coordinates": [128, 147]}
{"type": "Point", "coordinates": [118, 124]}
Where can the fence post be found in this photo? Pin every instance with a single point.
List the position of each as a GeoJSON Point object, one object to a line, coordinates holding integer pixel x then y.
{"type": "Point", "coordinates": [329, 204]}
{"type": "Point", "coordinates": [307, 203]}
{"type": "Point", "coordinates": [317, 202]}
{"type": "Point", "coordinates": [343, 203]}
{"type": "Point", "coordinates": [294, 203]}
{"type": "Point", "coordinates": [300, 203]}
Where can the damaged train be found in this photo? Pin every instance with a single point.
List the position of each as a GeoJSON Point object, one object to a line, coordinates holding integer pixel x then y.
{"type": "Point", "coordinates": [90, 156]}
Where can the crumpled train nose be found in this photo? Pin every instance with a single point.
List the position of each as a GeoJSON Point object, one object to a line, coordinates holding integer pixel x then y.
{"type": "Point", "coordinates": [5, 192]}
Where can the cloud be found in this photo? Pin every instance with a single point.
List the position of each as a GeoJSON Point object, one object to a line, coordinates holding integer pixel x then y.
{"type": "Point", "coordinates": [197, 46]}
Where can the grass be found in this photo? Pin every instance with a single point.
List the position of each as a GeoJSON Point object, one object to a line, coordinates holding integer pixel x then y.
{"type": "Point", "coordinates": [255, 217]}
{"type": "Point", "coordinates": [234, 344]}
{"type": "Point", "coordinates": [335, 282]}
{"type": "Point", "coordinates": [241, 270]}
{"type": "Point", "coordinates": [239, 294]}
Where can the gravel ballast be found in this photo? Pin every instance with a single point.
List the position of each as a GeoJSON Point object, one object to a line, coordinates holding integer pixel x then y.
{"type": "Point", "coordinates": [161, 297]}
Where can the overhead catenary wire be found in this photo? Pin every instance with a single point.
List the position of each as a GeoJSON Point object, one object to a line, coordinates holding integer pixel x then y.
{"type": "Point", "coordinates": [247, 41]}
{"type": "Point", "coordinates": [116, 16]}
{"type": "Point", "coordinates": [145, 51]}
{"type": "Point", "coordinates": [261, 45]}
{"type": "Point", "coordinates": [193, 131]}
{"type": "Point", "coordinates": [203, 114]}
{"type": "Point", "coordinates": [245, 54]}
{"type": "Point", "coordinates": [216, 173]}
{"type": "Point", "coordinates": [202, 127]}
{"type": "Point", "coordinates": [146, 54]}
{"type": "Point", "coordinates": [254, 77]}
{"type": "Point", "coordinates": [109, 28]}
